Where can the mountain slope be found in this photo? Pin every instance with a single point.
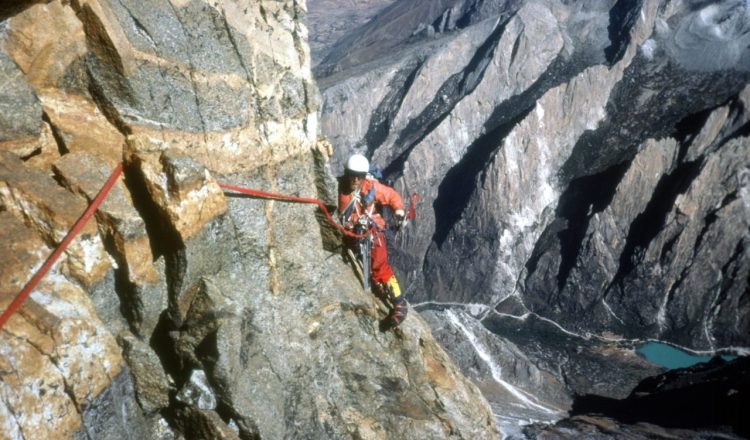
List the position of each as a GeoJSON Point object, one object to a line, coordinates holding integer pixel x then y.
{"type": "Point", "coordinates": [558, 172]}
{"type": "Point", "coordinates": [582, 168]}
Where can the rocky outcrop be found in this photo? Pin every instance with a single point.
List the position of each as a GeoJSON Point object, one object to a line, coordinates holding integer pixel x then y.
{"type": "Point", "coordinates": [580, 163]}
{"type": "Point", "coordinates": [182, 311]}
{"type": "Point", "coordinates": [665, 406]}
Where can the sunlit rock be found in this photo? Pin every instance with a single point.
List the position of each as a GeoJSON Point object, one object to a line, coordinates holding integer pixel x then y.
{"type": "Point", "coordinates": [197, 392]}
{"type": "Point", "coordinates": [35, 198]}
{"type": "Point", "coordinates": [56, 348]}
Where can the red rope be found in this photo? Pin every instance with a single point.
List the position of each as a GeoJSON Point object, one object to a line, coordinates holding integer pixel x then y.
{"type": "Point", "coordinates": [26, 291]}
{"type": "Point", "coordinates": [86, 216]}
{"type": "Point", "coordinates": [282, 197]}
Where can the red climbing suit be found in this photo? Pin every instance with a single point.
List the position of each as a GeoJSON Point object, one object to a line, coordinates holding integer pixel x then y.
{"type": "Point", "coordinates": [378, 195]}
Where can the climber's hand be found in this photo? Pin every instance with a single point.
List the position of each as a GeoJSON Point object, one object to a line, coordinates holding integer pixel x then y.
{"type": "Point", "coordinates": [400, 219]}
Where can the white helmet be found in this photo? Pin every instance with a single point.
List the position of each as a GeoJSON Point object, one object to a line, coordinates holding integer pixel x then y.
{"type": "Point", "coordinates": [357, 165]}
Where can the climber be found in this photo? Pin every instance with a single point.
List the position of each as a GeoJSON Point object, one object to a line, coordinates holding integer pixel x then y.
{"type": "Point", "coordinates": [360, 194]}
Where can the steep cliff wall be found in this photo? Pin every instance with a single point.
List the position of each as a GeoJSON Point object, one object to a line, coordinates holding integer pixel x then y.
{"type": "Point", "coordinates": [583, 171]}
{"type": "Point", "coordinates": [583, 157]}
{"type": "Point", "coordinates": [182, 311]}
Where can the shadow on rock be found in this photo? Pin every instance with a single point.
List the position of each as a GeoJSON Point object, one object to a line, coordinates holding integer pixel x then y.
{"type": "Point", "coordinates": [713, 395]}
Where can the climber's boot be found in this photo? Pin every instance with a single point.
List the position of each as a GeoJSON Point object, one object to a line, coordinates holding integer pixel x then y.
{"type": "Point", "coordinates": [398, 312]}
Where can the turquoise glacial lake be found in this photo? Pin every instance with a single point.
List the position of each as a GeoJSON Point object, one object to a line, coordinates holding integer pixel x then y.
{"type": "Point", "coordinates": [670, 357]}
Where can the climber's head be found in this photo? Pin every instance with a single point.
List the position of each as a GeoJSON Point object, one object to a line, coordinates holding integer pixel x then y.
{"type": "Point", "coordinates": [357, 166]}
{"type": "Point", "coordinates": [356, 170]}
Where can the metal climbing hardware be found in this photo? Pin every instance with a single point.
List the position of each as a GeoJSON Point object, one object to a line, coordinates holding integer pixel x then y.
{"type": "Point", "coordinates": [364, 248]}
{"type": "Point", "coordinates": [349, 208]}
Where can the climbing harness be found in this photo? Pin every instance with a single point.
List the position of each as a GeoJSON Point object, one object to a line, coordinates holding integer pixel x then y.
{"type": "Point", "coordinates": [364, 227]}
{"type": "Point", "coordinates": [364, 248]}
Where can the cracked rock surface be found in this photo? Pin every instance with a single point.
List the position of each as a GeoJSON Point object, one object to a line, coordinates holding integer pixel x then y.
{"type": "Point", "coordinates": [182, 310]}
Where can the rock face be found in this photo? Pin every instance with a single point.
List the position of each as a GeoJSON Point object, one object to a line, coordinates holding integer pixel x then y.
{"type": "Point", "coordinates": [580, 163]}
{"type": "Point", "coordinates": [329, 20]}
{"type": "Point", "coordinates": [182, 311]}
